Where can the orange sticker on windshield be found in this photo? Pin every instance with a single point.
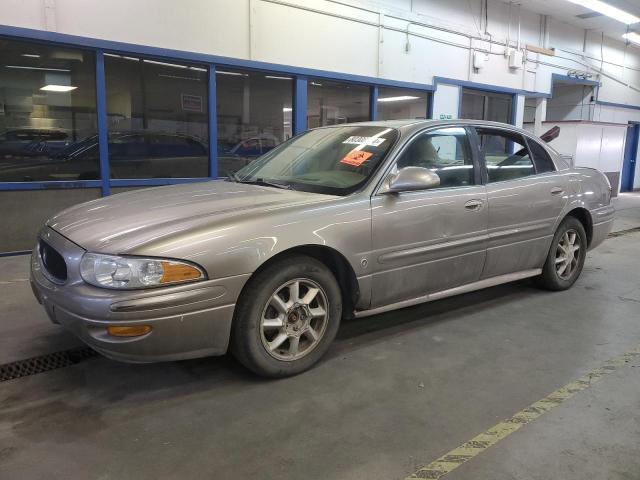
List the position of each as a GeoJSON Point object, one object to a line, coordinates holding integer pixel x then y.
{"type": "Point", "coordinates": [355, 158]}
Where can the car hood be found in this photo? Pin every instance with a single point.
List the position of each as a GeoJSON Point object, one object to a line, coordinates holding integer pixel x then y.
{"type": "Point", "coordinates": [128, 221]}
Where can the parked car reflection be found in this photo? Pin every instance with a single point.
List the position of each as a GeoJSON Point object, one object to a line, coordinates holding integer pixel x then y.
{"type": "Point", "coordinates": [131, 155]}
{"type": "Point", "coordinates": [28, 142]}
{"type": "Point", "coordinates": [232, 159]}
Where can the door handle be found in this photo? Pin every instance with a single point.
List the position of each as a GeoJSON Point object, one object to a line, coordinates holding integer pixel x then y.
{"type": "Point", "coordinates": [473, 205]}
{"type": "Point", "coordinates": [557, 191]}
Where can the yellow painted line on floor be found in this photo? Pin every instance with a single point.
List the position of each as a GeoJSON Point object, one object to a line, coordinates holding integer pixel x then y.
{"type": "Point", "coordinates": [465, 452]}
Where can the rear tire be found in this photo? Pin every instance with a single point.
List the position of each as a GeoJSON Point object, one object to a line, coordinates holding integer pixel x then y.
{"type": "Point", "coordinates": [566, 256]}
{"type": "Point", "coordinates": [286, 317]}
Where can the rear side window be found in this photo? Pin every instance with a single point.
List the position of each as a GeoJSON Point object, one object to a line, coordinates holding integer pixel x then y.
{"type": "Point", "coordinates": [541, 157]}
{"type": "Point", "coordinates": [506, 155]}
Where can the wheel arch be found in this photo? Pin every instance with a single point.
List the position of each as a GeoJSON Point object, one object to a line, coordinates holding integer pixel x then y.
{"type": "Point", "coordinates": [583, 216]}
{"type": "Point", "coordinates": [334, 261]}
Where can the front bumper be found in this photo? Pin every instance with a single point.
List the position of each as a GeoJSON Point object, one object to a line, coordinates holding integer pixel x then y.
{"type": "Point", "coordinates": [187, 321]}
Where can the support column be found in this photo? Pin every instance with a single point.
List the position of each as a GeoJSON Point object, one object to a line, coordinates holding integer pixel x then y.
{"type": "Point", "coordinates": [446, 102]}
{"type": "Point", "coordinates": [213, 124]}
{"type": "Point", "coordinates": [103, 128]}
{"type": "Point", "coordinates": [541, 115]}
{"type": "Point", "coordinates": [300, 105]}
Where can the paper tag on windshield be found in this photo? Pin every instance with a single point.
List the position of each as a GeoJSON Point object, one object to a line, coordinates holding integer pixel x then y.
{"type": "Point", "coordinates": [355, 158]}
{"type": "Point", "coordinates": [373, 141]}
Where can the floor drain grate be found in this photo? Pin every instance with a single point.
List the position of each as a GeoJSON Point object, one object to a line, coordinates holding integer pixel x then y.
{"type": "Point", "coordinates": [44, 363]}
{"type": "Point", "coordinates": [620, 233]}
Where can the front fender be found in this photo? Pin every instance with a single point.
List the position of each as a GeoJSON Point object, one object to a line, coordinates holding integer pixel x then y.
{"type": "Point", "coordinates": [241, 246]}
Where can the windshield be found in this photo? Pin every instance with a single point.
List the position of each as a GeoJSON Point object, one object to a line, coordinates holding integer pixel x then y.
{"type": "Point", "coordinates": [333, 160]}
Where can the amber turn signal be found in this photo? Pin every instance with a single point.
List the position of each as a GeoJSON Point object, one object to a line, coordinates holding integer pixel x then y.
{"type": "Point", "coordinates": [128, 330]}
{"type": "Point", "coordinates": [173, 272]}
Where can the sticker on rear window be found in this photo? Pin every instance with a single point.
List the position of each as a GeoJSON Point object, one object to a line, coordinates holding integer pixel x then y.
{"type": "Point", "coordinates": [373, 141]}
{"type": "Point", "coordinates": [355, 158]}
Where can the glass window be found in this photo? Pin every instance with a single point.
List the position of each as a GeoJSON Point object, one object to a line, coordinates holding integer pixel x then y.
{"type": "Point", "coordinates": [446, 152]}
{"type": "Point", "coordinates": [335, 160]}
{"type": "Point", "coordinates": [47, 104]}
{"type": "Point", "coordinates": [254, 114]}
{"type": "Point", "coordinates": [400, 103]}
{"type": "Point", "coordinates": [479, 105]}
{"type": "Point", "coordinates": [333, 103]}
{"type": "Point", "coordinates": [157, 116]}
{"type": "Point", "coordinates": [541, 157]}
{"type": "Point", "coordinates": [506, 155]}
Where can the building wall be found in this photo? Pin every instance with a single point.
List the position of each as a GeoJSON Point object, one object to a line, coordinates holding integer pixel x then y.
{"type": "Point", "coordinates": [373, 38]}
{"type": "Point", "coordinates": [427, 42]}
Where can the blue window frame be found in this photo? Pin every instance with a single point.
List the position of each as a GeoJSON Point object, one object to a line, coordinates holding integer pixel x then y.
{"type": "Point", "coordinates": [208, 65]}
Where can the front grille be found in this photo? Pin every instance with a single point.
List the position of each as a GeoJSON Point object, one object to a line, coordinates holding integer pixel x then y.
{"type": "Point", "coordinates": [53, 262]}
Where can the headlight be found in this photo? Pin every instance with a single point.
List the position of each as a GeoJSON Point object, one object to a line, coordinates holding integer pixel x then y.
{"type": "Point", "coordinates": [111, 271]}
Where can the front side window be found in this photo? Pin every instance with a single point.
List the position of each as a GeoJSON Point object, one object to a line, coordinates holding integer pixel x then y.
{"type": "Point", "coordinates": [47, 105]}
{"type": "Point", "coordinates": [446, 152]}
{"type": "Point", "coordinates": [335, 161]}
{"type": "Point", "coordinates": [506, 155]}
{"type": "Point", "coordinates": [158, 120]}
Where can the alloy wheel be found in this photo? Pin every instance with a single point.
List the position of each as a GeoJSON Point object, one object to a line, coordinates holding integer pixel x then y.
{"type": "Point", "coordinates": [294, 319]}
{"type": "Point", "coordinates": [567, 254]}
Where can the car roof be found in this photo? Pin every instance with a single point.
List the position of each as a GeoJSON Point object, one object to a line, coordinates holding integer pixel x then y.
{"type": "Point", "coordinates": [411, 125]}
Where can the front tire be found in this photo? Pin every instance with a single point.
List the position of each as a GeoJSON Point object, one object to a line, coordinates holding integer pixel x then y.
{"type": "Point", "coordinates": [566, 256]}
{"type": "Point", "coordinates": [286, 317]}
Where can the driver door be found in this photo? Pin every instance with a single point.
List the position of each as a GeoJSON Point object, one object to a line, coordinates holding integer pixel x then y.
{"type": "Point", "coordinates": [431, 240]}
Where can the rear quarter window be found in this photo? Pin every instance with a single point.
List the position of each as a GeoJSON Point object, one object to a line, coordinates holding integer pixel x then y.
{"type": "Point", "coordinates": [541, 157]}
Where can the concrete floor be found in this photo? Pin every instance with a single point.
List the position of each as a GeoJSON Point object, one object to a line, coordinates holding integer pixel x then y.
{"type": "Point", "coordinates": [395, 392]}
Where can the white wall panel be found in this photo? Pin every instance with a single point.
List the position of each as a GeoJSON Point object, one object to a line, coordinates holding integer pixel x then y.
{"type": "Point", "coordinates": [519, 106]}
{"type": "Point", "coordinates": [446, 101]}
{"type": "Point", "coordinates": [592, 145]}
{"type": "Point", "coordinates": [612, 148]}
{"type": "Point", "coordinates": [311, 33]}
{"type": "Point", "coordinates": [313, 40]}
{"type": "Point", "coordinates": [23, 13]}
{"type": "Point", "coordinates": [208, 26]}
{"type": "Point", "coordinates": [424, 60]}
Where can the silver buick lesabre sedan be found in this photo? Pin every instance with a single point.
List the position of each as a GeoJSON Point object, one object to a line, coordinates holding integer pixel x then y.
{"type": "Point", "coordinates": [341, 221]}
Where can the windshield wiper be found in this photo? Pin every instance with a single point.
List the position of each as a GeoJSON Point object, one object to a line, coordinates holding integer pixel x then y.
{"type": "Point", "coordinates": [266, 183]}
{"type": "Point", "coordinates": [233, 176]}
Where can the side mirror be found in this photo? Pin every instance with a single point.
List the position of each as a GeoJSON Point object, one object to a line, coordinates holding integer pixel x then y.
{"type": "Point", "coordinates": [410, 179]}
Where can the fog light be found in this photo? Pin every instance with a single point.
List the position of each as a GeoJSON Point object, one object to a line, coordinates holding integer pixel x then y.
{"type": "Point", "coordinates": [128, 331]}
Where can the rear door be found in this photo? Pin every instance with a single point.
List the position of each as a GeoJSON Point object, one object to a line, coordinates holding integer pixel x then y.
{"type": "Point", "coordinates": [525, 197]}
{"type": "Point", "coordinates": [430, 240]}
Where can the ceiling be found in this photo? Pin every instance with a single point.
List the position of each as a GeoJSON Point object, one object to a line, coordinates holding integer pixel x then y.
{"type": "Point", "coordinates": [583, 17]}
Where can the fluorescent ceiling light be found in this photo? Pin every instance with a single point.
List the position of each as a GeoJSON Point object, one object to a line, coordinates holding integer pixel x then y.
{"type": "Point", "coordinates": [135, 59]}
{"type": "Point", "coordinates": [608, 10]}
{"type": "Point", "coordinates": [632, 37]}
{"type": "Point", "coordinates": [58, 88]}
{"type": "Point", "coordinates": [237, 74]}
{"type": "Point", "coordinates": [198, 69]}
{"type": "Point", "coordinates": [287, 109]}
{"type": "Point", "coordinates": [315, 84]}
{"type": "Point", "coordinates": [30, 55]}
{"type": "Point", "coordinates": [397, 99]}
{"type": "Point", "coordinates": [165, 64]}
{"type": "Point", "coordinates": [178, 77]}
{"type": "Point", "coordinates": [277, 78]}
{"type": "Point", "coordinates": [38, 68]}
